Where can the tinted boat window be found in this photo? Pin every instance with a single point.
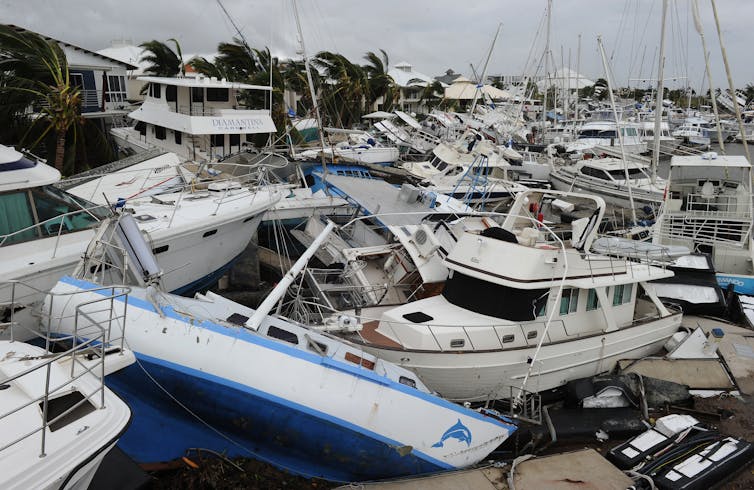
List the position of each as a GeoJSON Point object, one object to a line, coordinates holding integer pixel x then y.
{"type": "Point", "coordinates": [52, 203]}
{"type": "Point", "coordinates": [491, 299]}
{"type": "Point", "coordinates": [15, 215]}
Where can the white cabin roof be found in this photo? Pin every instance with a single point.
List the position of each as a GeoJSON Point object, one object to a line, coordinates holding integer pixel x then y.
{"type": "Point", "coordinates": [710, 159]}
{"type": "Point", "coordinates": [202, 82]}
{"type": "Point", "coordinates": [19, 172]}
{"type": "Point", "coordinates": [609, 163]}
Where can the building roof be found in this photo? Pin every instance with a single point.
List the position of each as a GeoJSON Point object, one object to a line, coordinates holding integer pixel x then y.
{"type": "Point", "coordinates": [127, 53]}
{"type": "Point", "coordinates": [405, 76]}
{"type": "Point", "coordinates": [449, 77]}
{"type": "Point", "coordinates": [73, 47]}
{"type": "Point", "coordinates": [202, 81]}
{"type": "Point", "coordinates": [465, 89]}
{"type": "Point", "coordinates": [566, 78]}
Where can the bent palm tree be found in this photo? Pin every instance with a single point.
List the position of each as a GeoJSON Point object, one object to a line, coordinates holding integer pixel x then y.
{"type": "Point", "coordinates": [164, 62]}
{"type": "Point", "coordinates": [379, 83]}
{"type": "Point", "coordinates": [35, 75]}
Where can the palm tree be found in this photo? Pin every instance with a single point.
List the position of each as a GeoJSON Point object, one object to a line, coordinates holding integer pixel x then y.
{"type": "Point", "coordinates": [164, 62]}
{"type": "Point", "coordinates": [379, 83]}
{"type": "Point", "coordinates": [35, 74]}
{"type": "Point", "coordinates": [432, 95]}
{"type": "Point", "coordinates": [343, 89]}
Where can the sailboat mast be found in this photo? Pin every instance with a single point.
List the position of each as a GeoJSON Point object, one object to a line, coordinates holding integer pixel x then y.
{"type": "Point", "coordinates": [700, 30]}
{"type": "Point", "coordinates": [578, 67]}
{"type": "Point", "coordinates": [730, 82]}
{"type": "Point", "coordinates": [547, 69]}
{"type": "Point", "coordinates": [618, 128]}
{"type": "Point", "coordinates": [311, 90]}
{"type": "Point", "coordinates": [660, 91]}
{"type": "Point", "coordinates": [484, 71]}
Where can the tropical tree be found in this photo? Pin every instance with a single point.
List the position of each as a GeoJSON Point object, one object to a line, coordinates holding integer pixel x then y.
{"type": "Point", "coordinates": [164, 62]}
{"type": "Point", "coordinates": [749, 93]}
{"type": "Point", "coordinates": [432, 95]}
{"type": "Point", "coordinates": [35, 85]}
{"type": "Point", "coordinates": [379, 83]}
{"type": "Point", "coordinates": [343, 88]}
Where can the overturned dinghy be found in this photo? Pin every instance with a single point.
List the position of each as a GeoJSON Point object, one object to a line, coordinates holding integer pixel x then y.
{"type": "Point", "coordinates": [212, 373]}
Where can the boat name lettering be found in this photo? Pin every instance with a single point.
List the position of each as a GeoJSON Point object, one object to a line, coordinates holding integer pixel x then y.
{"type": "Point", "coordinates": [237, 123]}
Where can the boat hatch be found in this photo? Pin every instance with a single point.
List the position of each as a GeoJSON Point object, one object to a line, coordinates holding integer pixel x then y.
{"type": "Point", "coordinates": [66, 409]}
{"type": "Point", "coordinates": [282, 334]}
{"type": "Point", "coordinates": [418, 317]}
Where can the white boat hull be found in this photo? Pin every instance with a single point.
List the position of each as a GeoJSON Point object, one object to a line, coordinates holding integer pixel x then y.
{"type": "Point", "coordinates": [458, 375]}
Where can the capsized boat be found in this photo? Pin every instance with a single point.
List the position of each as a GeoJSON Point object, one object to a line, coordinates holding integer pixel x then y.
{"type": "Point", "coordinates": [213, 373]}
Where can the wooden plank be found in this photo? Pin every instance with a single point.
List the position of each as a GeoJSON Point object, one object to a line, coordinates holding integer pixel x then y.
{"type": "Point", "coordinates": [570, 471]}
{"type": "Point", "coordinates": [697, 374]}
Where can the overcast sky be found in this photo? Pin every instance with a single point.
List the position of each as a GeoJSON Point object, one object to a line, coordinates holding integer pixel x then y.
{"type": "Point", "coordinates": [432, 35]}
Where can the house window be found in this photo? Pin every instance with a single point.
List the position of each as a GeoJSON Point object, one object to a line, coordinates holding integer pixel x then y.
{"type": "Point", "coordinates": [116, 89]}
{"type": "Point", "coordinates": [77, 79]}
{"type": "Point", "coordinates": [159, 132]}
{"type": "Point", "coordinates": [569, 302]}
{"type": "Point", "coordinates": [177, 137]}
{"type": "Point", "coordinates": [592, 301]}
{"type": "Point", "coordinates": [217, 95]}
{"type": "Point", "coordinates": [622, 294]}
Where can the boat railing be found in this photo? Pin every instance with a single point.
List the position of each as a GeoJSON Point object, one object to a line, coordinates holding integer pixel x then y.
{"type": "Point", "coordinates": [55, 226]}
{"type": "Point", "coordinates": [706, 227]}
{"type": "Point", "coordinates": [86, 355]}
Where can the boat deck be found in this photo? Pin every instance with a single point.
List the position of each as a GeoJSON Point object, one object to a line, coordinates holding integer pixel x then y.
{"type": "Point", "coordinates": [370, 334]}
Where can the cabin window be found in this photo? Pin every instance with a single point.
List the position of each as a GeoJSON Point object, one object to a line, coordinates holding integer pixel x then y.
{"type": "Point", "coordinates": [155, 90]}
{"type": "Point", "coordinates": [234, 139]}
{"type": "Point", "coordinates": [197, 94]}
{"type": "Point", "coordinates": [171, 93]}
{"type": "Point", "coordinates": [177, 135]}
{"type": "Point", "coordinates": [541, 306]}
{"type": "Point", "coordinates": [52, 204]}
{"type": "Point", "coordinates": [507, 339]}
{"type": "Point", "coordinates": [209, 233]}
{"type": "Point", "coordinates": [592, 301]}
{"type": "Point", "coordinates": [15, 215]}
{"type": "Point", "coordinates": [569, 301]}
{"type": "Point", "coordinates": [531, 335]}
{"type": "Point", "coordinates": [160, 133]}
{"type": "Point", "coordinates": [407, 381]}
{"type": "Point", "coordinates": [457, 343]}
{"type": "Point", "coordinates": [217, 139]}
{"type": "Point", "coordinates": [217, 95]}
{"type": "Point", "coordinates": [622, 294]}
{"type": "Point", "coordinates": [141, 127]}
{"type": "Point", "coordinates": [492, 299]}
{"type": "Point", "coordinates": [160, 249]}
{"type": "Point", "coordinates": [282, 334]}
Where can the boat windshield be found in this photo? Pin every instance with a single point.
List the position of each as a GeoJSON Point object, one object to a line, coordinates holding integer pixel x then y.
{"type": "Point", "coordinates": [39, 212]}
{"type": "Point", "coordinates": [633, 173]}
{"type": "Point", "coordinates": [491, 299]}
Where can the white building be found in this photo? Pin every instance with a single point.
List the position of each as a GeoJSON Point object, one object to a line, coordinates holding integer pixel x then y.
{"type": "Point", "coordinates": [411, 84]}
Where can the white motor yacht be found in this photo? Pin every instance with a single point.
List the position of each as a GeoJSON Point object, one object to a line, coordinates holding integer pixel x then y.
{"type": "Point", "coordinates": [708, 209]}
{"type": "Point", "coordinates": [606, 177]}
{"type": "Point", "coordinates": [525, 305]}
{"type": "Point", "coordinates": [44, 230]}
{"type": "Point", "coordinates": [57, 418]}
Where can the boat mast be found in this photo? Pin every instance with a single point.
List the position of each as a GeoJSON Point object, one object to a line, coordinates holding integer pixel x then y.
{"type": "Point", "coordinates": [700, 30]}
{"type": "Point", "coordinates": [730, 82]}
{"type": "Point", "coordinates": [312, 92]}
{"type": "Point", "coordinates": [547, 69]}
{"type": "Point", "coordinates": [618, 128]}
{"type": "Point", "coordinates": [660, 91]}
{"type": "Point", "coordinates": [480, 85]}
{"type": "Point", "coordinates": [578, 62]}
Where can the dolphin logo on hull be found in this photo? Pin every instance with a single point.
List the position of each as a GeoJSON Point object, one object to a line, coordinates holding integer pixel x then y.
{"type": "Point", "coordinates": [457, 431]}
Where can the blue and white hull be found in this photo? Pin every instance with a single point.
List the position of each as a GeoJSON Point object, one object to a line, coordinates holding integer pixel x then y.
{"type": "Point", "coordinates": [306, 402]}
{"type": "Point", "coordinates": [742, 284]}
